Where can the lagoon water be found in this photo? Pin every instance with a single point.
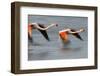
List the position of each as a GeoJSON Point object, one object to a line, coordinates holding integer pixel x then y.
{"type": "Point", "coordinates": [41, 49]}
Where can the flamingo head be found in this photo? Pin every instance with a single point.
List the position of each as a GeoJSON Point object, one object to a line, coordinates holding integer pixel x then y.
{"type": "Point", "coordinates": [55, 24]}
{"type": "Point", "coordinates": [82, 29]}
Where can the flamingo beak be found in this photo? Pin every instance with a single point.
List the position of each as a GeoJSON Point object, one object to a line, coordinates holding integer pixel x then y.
{"type": "Point", "coordinates": [63, 36]}
{"type": "Point", "coordinates": [56, 25]}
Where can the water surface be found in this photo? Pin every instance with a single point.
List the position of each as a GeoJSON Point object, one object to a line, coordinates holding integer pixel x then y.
{"type": "Point", "coordinates": [42, 49]}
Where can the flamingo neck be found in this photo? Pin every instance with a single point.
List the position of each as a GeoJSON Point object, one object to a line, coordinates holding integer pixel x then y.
{"type": "Point", "coordinates": [49, 26]}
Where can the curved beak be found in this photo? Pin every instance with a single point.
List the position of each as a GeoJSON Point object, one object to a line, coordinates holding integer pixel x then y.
{"type": "Point", "coordinates": [57, 25]}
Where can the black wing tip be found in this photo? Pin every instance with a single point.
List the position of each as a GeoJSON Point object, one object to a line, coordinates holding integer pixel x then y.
{"type": "Point", "coordinates": [81, 39]}
{"type": "Point", "coordinates": [48, 39]}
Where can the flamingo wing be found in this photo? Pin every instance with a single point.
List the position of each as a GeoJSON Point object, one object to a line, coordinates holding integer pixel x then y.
{"type": "Point", "coordinates": [76, 35]}
{"type": "Point", "coordinates": [30, 33]}
{"type": "Point", "coordinates": [44, 32]}
{"type": "Point", "coordinates": [30, 38]}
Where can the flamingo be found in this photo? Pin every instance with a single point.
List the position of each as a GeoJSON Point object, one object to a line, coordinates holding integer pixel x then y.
{"type": "Point", "coordinates": [39, 27]}
{"type": "Point", "coordinates": [64, 34]}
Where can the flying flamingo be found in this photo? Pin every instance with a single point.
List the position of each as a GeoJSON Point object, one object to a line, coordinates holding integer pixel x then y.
{"type": "Point", "coordinates": [64, 34]}
{"type": "Point", "coordinates": [39, 27]}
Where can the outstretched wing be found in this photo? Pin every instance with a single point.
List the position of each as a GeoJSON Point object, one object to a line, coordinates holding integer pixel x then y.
{"type": "Point", "coordinates": [44, 32]}
{"type": "Point", "coordinates": [76, 34]}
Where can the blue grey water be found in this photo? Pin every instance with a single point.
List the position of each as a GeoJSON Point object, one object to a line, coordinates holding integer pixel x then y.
{"type": "Point", "coordinates": [42, 49]}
